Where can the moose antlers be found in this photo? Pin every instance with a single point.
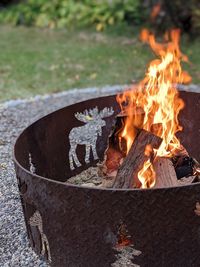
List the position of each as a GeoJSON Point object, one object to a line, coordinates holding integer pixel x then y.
{"type": "Point", "coordinates": [106, 112]}
{"type": "Point", "coordinates": [93, 114]}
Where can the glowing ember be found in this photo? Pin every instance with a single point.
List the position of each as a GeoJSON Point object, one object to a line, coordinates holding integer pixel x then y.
{"type": "Point", "coordinates": [123, 237]}
{"type": "Point", "coordinates": [156, 95]}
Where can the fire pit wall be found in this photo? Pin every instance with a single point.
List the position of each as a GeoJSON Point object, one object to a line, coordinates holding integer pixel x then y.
{"type": "Point", "coordinates": [78, 226]}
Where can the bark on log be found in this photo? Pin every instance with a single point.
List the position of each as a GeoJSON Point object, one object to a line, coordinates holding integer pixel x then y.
{"type": "Point", "coordinates": [127, 176]}
{"type": "Point", "coordinates": [165, 173]}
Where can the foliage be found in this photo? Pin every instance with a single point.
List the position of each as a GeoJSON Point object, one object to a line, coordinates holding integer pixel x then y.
{"type": "Point", "coordinates": [65, 13]}
{"type": "Point", "coordinates": [196, 16]}
{"type": "Point", "coordinates": [101, 13]}
{"type": "Point", "coordinates": [178, 13]}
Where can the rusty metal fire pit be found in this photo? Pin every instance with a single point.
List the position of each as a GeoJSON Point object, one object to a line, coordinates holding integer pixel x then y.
{"type": "Point", "coordinates": [77, 226]}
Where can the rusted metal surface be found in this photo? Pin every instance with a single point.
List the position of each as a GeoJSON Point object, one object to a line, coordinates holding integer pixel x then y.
{"type": "Point", "coordinates": [78, 226]}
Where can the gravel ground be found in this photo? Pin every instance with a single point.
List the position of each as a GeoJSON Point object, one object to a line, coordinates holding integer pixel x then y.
{"type": "Point", "coordinates": [14, 117]}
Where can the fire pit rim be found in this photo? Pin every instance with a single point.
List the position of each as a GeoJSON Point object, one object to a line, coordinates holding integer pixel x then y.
{"type": "Point", "coordinates": [79, 186]}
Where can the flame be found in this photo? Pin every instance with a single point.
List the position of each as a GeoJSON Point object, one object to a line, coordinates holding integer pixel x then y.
{"type": "Point", "coordinates": [156, 95]}
{"type": "Point", "coordinates": [155, 11]}
{"type": "Point", "coordinates": [147, 175]}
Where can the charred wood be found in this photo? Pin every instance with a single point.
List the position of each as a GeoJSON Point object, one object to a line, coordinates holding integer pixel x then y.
{"type": "Point", "coordinates": [184, 167]}
{"type": "Point", "coordinates": [127, 176]}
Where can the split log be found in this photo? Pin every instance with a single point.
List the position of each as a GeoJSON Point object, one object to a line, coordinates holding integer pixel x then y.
{"type": "Point", "coordinates": [127, 176]}
{"type": "Point", "coordinates": [185, 169]}
{"type": "Point", "coordinates": [116, 150]}
{"type": "Point", "coordinates": [165, 173]}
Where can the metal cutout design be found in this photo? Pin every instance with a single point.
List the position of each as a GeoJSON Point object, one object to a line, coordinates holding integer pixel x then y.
{"type": "Point", "coordinates": [126, 256]}
{"type": "Point", "coordinates": [87, 134]}
{"type": "Point", "coordinates": [197, 209]}
{"type": "Point", "coordinates": [36, 220]}
{"type": "Point", "coordinates": [32, 167]}
{"type": "Point", "coordinates": [125, 248]}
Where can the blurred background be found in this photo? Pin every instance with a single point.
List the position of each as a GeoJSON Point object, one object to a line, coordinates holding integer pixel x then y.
{"type": "Point", "coordinates": [49, 46]}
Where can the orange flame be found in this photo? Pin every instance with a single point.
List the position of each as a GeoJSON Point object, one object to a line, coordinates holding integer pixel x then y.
{"type": "Point", "coordinates": [155, 11]}
{"type": "Point", "coordinates": [158, 97]}
{"type": "Point", "coordinates": [147, 175]}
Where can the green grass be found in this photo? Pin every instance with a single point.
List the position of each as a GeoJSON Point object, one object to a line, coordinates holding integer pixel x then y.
{"type": "Point", "coordinates": [35, 61]}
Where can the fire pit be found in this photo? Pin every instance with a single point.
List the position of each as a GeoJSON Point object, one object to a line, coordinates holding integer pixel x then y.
{"type": "Point", "coordinates": [143, 209]}
{"type": "Point", "coordinates": [81, 226]}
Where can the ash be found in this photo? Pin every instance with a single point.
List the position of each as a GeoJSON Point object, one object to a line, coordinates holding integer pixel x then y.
{"type": "Point", "coordinates": [91, 177]}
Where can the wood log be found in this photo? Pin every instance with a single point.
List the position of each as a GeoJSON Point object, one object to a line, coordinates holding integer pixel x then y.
{"type": "Point", "coordinates": [127, 176]}
{"type": "Point", "coordinates": [165, 173]}
{"type": "Point", "coordinates": [116, 149]}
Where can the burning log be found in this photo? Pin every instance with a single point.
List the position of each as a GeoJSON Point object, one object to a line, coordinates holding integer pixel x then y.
{"type": "Point", "coordinates": [165, 173]}
{"type": "Point", "coordinates": [127, 176]}
{"type": "Point", "coordinates": [121, 171]}
{"type": "Point", "coordinates": [184, 168]}
{"type": "Point", "coordinates": [116, 150]}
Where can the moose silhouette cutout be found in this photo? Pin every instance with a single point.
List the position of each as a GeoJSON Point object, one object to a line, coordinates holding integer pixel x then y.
{"type": "Point", "coordinates": [36, 220]}
{"type": "Point", "coordinates": [87, 134]}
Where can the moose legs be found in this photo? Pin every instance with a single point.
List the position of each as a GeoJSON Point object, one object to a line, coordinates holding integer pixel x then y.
{"type": "Point", "coordinates": [94, 151]}
{"type": "Point", "coordinates": [45, 247]}
{"type": "Point", "coordinates": [73, 157]}
{"type": "Point", "coordinates": [87, 152]}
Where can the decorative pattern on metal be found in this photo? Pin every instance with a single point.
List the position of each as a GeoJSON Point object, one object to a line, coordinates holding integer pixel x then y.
{"type": "Point", "coordinates": [32, 167]}
{"type": "Point", "coordinates": [87, 134]}
{"type": "Point", "coordinates": [197, 209]}
{"type": "Point", "coordinates": [126, 256]}
{"type": "Point", "coordinates": [36, 220]}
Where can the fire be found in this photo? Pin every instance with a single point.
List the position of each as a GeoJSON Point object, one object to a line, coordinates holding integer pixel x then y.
{"type": "Point", "coordinates": [147, 175]}
{"type": "Point", "coordinates": [155, 11]}
{"type": "Point", "coordinates": [156, 95]}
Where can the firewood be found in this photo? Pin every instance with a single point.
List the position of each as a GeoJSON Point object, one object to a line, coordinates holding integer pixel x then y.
{"type": "Point", "coordinates": [185, 169]}
{"type": "Point", "coordinates": [180, 152]}
{"type": "Point", "coordinates": [116, 149]}
{"type": "Point", "coordinates": [165, 173]}
{"type": "Point", "coordinates": [127, 176]}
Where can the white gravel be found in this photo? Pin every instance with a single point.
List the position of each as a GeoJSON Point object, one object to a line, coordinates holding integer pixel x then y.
{"type": "Point", "coordinates": [14, 117]}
